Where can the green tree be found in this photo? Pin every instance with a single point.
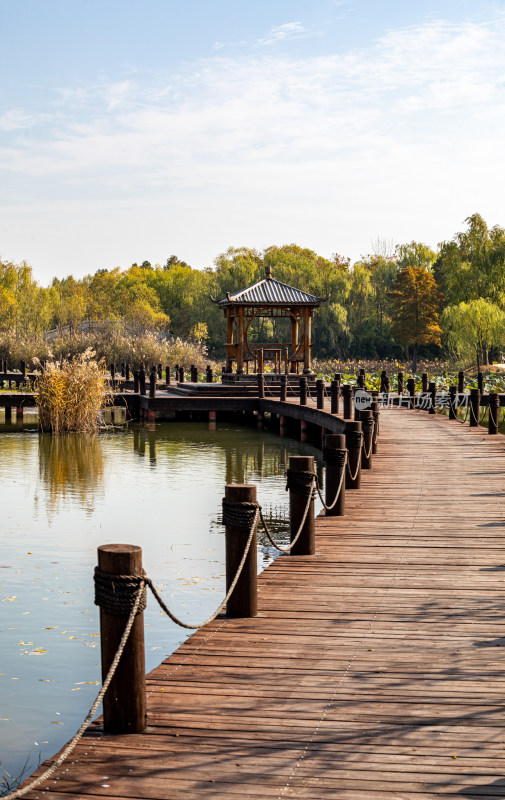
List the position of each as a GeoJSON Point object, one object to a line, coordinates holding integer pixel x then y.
{"type": "Point", "coordinates": [416, 303]}
{"type": "Point", "coordinates": [472, 264]}
{"type": "Point", "coordinates": [473, 328]}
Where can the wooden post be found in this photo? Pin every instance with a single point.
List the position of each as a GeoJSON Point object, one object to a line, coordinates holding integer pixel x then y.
{"type": "Point", "coordinates": [152, 382]}
{"type": "Point", "coordinates": [142, 381]}
{"type": "Point", "coordinates": [19, 414]}
{"type": "Point", "coordinates": [453, 411]}
{"type": "Point", "coordinates": [194, 374]}
{"type": "Point", "coordinates": [334, 397]}
{"type": "Point", "coordinates": [432, 388]}
{"type": "Point", "coordinates": [244, 599]}
{"type": "Point", "coordinates": [23, 368]}
{"type": "Point", "coordinates": [320, 393]}
{"type": "Point", "coordinates": [333, 452]}
{"type": "Point", "coordinates": [261, 385]}
{"type": "Point", "coordinates": [367, 425]}
{"type": "Point", "coordinates": [168, 377]}
{"type": "Point", "coordinates": [480, 382]}
{"type": "Point", "coordinates": [306, 544]}
{"type": "Point", "coordinates": [8, 413]}
{"type": "Point", "coordinates": [124, 704]}
{"type": "Point", "coordinates": [411, 388]}
{"type": "Point", "coordinates": [283, 394]}
{"type": "Point", "coordinates": [347, 397]}
{"type": "Point", "coordinates": [113, 372]}
{"type": "Point", "coordinates": [400, 383]}
{"type": "Point", "coordinates": [353, 439]}
{"type": "Point", "coordinates": [493, 403]}
{"type": "Point", "coordinates": [303, 391]}
{"type": "Point", "coordinates": [474, 407]}
{"type": "Point", "coordinates": [461, 382]}
{"type": "Point", "coordinates": [376, 417]}
{"type": "Point", "coordinates": [160, 371]}
{"type": "Point", "coordinates": [136, 381]}
{"type": "Point", "coordinates": [181, 374]}
{"type": "Point", "coordinates": [127, 372]}
{"type": "Point", "coordinates": [424, 379]}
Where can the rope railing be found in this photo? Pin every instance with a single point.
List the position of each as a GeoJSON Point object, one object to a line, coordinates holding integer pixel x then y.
{"type": "Point", "coordinates": [357, 442]}
{"type": "Point", "coordinates": [455, 412]}
{"type": "Point", "coordinates": [310, 498]}
{"type": "Point", "coordinates": [331, 506]}
{"type": "Point", "coordinates": [91, 713]}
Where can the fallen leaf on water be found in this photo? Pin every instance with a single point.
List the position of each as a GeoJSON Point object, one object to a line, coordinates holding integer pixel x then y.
{"type": "Point", "coordinates": [55, 722]}
{"type": "Point", "coordinates": [81, 683]}
{"type": "Point", "coordinates": [10, 599]}
{"type": "Point", "coordinates": [5, 719]}
{"type": "Point", "coordinates": [77, 689]}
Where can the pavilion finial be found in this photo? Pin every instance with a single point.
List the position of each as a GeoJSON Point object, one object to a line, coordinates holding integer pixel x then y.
{"type": "Point", "coordinates": [268, 272]}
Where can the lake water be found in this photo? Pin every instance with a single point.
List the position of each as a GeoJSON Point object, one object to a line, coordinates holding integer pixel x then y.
{"type": "Point", "coordinates": [61, 497]}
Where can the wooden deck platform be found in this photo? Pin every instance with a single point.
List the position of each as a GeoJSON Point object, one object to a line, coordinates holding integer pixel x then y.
{"type": "Point", "coordinates": [375, 669]}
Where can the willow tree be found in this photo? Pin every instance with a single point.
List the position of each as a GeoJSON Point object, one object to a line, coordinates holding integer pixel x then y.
{"type": "Point", "coordinates": [416, 304]}
{"type": "Point", "coordinates": [474, 328]}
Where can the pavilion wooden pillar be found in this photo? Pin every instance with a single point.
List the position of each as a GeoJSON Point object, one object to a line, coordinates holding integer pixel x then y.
{"type": "Point", "coordinates": [294, 340]}
{"type": "Point", "coordinates": [229, 340]}
{"type": "Point", "coordinates": [307, 325]}
{"type": "Point", "coordinates": [240, 340]}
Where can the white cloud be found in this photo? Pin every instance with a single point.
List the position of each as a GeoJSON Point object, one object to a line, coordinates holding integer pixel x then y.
{"type": "Point", "coordinates": [281, 32]}
{"type": "Point", "coordinates": [15, 120]}
{"type": "Point", "coordinates": [329, 144]}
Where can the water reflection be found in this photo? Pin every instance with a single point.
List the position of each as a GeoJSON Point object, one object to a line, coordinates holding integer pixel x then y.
{"type": "Point", "coordinates": [71, 465]}
{"type": "Point", "coordinates": [243, 459]}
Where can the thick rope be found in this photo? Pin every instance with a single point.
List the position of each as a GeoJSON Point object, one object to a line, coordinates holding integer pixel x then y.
{"type": "Point", "coordinates": [368, 426]}
{"type": "Point", "coordinates": [492, 417]}
{"type": "Point", "coordinates": [240, 515]}
{"type": "Point", "coordinates": [117, 594]}
{"type": "Point", "coordinates": [358, 466]}
{"type": "Point", "coordinates": [229, 593]}
{"type": "Point", "coordinates": [339, 489]}
{"type": "Point", "coordinates": [300, 482]}
{"type": "Point", "coordinates": [89, 716]}
{"type": "Point", "coordinates": [455, 412]}
{"type": "Point", "coordinates": [310, 497]}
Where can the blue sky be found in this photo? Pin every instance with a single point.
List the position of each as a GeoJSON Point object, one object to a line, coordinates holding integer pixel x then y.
{"type": "Point", "coordinates": [131, 131]}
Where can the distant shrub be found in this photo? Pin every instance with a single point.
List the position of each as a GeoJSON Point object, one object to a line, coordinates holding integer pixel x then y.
{"type": "Point", "coordinates": [111, 342]}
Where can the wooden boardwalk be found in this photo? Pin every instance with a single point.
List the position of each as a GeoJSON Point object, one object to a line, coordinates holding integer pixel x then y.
{"type": "Point", "coordinates": [374, 669]}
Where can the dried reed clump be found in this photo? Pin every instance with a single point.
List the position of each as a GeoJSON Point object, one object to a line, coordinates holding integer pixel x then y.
{"type": "Point", "coordinates": [70, 395]}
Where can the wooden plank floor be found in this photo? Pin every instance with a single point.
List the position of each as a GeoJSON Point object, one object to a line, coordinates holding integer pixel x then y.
{"type": "Point", "coordinates": [374, 669]}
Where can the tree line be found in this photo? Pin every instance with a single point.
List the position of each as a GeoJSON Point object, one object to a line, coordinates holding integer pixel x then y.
{"type": "Point", "coordinates": [396, 302]}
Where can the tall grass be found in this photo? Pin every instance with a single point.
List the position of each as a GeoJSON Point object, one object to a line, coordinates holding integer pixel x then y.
{"type": "Point", "coordinates": [71, 394]}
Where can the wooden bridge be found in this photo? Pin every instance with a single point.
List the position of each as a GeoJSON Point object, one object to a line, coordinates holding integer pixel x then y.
{"type": "Point", "coordinates": [374, 669]}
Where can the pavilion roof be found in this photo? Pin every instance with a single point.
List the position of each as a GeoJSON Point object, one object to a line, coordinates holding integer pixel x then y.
{"type": "Point", "coordinates": [270, 292]}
